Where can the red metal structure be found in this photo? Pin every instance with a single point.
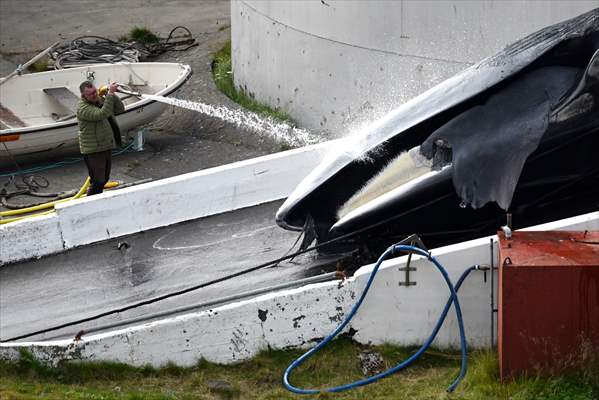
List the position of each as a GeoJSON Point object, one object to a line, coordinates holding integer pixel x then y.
{"type": "Point", "coordinates": [548, 301]}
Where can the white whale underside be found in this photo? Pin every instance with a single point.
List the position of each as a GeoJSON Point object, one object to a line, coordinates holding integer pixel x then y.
{"type": "Point", "coordinates": [400, 170]}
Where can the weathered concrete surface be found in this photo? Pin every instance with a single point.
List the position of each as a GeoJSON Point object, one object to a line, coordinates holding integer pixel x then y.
{"type": "Point", "coordinates": [27, 25]}
{"type": "Point", "coordinates": [226, 334]}
{"type": "Point", "coordinates": [160, 203]}
{"type": "Point", "coordinates": [185, 197]}
{"type": "Point", "coordinates": [24, 239]}
{"type": "Point", "coordinates": [92, 279]}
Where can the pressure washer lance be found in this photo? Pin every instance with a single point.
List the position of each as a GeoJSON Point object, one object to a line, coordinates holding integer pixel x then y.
{"type": "Point", "coordinates": [120, 88]}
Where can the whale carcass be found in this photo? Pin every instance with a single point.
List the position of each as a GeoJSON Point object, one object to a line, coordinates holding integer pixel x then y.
{"type": "Point", "coordinates": [516, 133]}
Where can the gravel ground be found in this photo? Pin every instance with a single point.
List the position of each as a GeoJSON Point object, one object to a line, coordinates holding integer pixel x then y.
{"type": "Point", "coordinates": [180, 140]}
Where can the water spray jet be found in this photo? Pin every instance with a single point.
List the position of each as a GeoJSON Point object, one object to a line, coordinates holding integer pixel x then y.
{"type": "Point", "coordinates": [280, 131]}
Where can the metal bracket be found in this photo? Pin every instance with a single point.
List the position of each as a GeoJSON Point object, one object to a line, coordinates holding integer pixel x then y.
{"type": "Point", "coordinates": [494, 309]}
{"type": "Point", "coordinates": [412, 240]}
{"type": "Point", "coordinates": [407, 281]}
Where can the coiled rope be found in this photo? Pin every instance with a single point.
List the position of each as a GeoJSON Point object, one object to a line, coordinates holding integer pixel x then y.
{"type": "Point", "coordinates": [93, 50]}
{"type": "Point", "coordinates": [86, 50]}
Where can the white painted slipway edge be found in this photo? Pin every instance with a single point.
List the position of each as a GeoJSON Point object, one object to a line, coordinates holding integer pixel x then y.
{"type": "Point", "coordinates": [159, 203]}
{"type": "Point", "coordinates": [301, 317]}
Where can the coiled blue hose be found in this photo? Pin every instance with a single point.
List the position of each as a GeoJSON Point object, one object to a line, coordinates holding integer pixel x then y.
{"type": "Point", "coordinates": [452, 299]}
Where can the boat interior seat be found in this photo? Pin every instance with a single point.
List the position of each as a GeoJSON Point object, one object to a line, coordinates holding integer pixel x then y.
{"type": "Point", "coordinates": [66, 99]}
{"type": "Point", "coordinates": [9, 120]}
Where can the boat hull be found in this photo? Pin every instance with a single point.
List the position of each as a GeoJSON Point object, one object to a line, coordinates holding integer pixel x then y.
{"type": "Point", "coordinates": [31, 129]}
{"type": "Point", "coordinates": [65, 135]}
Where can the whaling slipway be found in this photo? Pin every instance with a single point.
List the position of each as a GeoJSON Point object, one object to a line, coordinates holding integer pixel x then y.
{"type": "Point", "coordinates": [392, 313]}
{"type": "Point", "coordinates": [160, 203]}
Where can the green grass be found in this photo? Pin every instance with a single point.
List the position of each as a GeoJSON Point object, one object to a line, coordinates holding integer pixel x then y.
{"type": "Point", "coordinates": [39, 66]}
{"type": "Point", "coordinates": [140, 34]}
{"type": "Point", "coordinates": [223, 78]}
{"type": "Point", "coordinates": [260, 378]}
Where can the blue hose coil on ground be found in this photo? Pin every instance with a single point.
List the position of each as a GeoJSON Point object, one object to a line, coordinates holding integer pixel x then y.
{"type": "Point", "coordinates": [452, 299]}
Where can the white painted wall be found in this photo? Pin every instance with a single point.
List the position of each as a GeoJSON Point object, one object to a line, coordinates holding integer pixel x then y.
{"type": "Point", "coordinates": [332, 64]}
{"type": "Point", "coordinates": [31, 238]}
{"type": "Point", "coordinates": [299, 317]}
{"type": "Point", "coordinates": [160, 203]}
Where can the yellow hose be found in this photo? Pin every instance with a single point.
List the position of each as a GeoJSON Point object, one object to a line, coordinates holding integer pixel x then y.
{"type": "Point", "coordinates": [50, 204]}
{"type": "Point", "coordinates": [112, 184]}
{"type": "Point", "coordinates": [9, 220]}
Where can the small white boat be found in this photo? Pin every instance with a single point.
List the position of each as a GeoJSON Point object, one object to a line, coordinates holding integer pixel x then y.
{"type": "Point", "coordinates": [37, 111]}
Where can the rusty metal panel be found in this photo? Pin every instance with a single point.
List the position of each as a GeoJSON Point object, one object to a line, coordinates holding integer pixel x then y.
{"type": "Point", "coordinates": [548, 300]}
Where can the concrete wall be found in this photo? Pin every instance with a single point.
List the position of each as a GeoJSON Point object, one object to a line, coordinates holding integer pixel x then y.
{"type": "Point", "coordinates": [301, 317]}
{"type": "Point", "coordinates": [333, 64]}
{"type": "Point", "coordinates": [160, 203]}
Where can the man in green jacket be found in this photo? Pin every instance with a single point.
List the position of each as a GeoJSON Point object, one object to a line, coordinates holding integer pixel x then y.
{"type": "Point", "coordinates": [98, 132]}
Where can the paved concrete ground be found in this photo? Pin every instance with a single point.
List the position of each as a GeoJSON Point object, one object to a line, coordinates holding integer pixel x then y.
{"type": "Point", "coordinates": [86, 281]}
{"type": "Point", "coordinates": [177, 142]}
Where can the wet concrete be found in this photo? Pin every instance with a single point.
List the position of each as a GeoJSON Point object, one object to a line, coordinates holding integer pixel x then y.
{"type": "Point", "coordinates": [86, 281]}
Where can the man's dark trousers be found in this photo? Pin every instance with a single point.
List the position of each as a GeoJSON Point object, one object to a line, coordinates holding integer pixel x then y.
{"type": "Point", "coordinates": [98, 167]}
